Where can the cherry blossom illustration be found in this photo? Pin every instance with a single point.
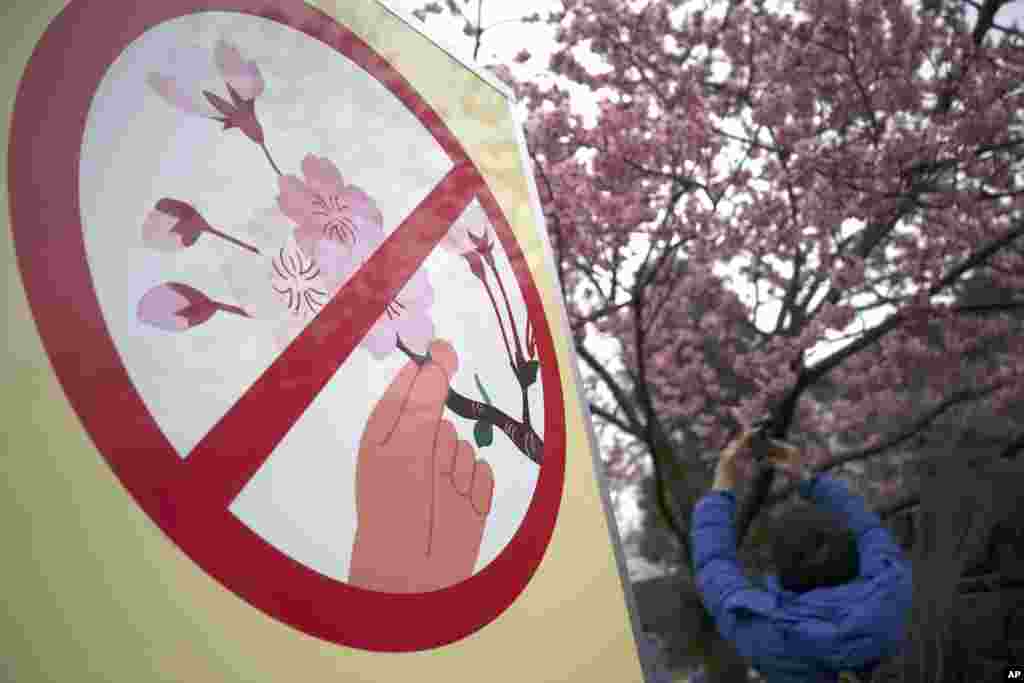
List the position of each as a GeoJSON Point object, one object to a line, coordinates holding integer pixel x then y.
{"type": "Point", "coordinates": [406, 323]}
{"type": "Point", "coordinates": [285, 287]}
{"type": "Point", "coordinates": [174, 225]}
{"type": "Point", "coordinates": [175, 307]}
{"type": "Point", "coordinates": [326, 227]}
{"type": "Point", "coordinates": [324, 207]}
{"type": "Point", "coordinates": [295, 279]}
{"type": "Point", "coordinates": [244, 84]}
{"type": "Point", "coordinates": [476, 247]}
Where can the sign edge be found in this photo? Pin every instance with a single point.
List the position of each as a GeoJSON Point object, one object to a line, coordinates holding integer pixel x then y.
{"type": "Point", "coordinates": [588, 426]}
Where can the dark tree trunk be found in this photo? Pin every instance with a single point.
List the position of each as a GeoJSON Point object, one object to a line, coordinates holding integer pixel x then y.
{"type": "Point", "coordinates": [722, 663]}
{"type": "Point", "coordinates": [968, 615]}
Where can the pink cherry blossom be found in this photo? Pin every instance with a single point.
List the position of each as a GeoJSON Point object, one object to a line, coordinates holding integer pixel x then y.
{"type": "Point", "coordinates": [459, 238]}
{"type": "Point", "coordinates": [295, 279]}
{"type": "Point", "coordinates": [175, 307]}
{"type": "Point", "coordinates": [243, 82]}
{"type": "Point", "coordinates": [407, 316]}
{"type": "Point", "coordinates": [173, 225]}
{"type": "Point", "coordinates": [323, 206]}
{"type": "Point", "coordinates": [284, 287]}
{"type": "Point", "coordinates": [187, 101]}
{"type": "Point", "coordinates": [160, 232]}
{"type": "Point", "coordinates": [162, 307]}
{"type": "Point", "coordinates": [242, 76]}
{"type": "Point", "coordinates": [289, 287]}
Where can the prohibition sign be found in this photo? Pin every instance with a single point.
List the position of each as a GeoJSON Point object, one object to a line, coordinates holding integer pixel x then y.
{"type": "Point", "coordinates": [188, 499]}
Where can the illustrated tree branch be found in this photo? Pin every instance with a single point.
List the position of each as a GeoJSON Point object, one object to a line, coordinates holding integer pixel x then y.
{"type": "Point", "coordinates": [522, 435]}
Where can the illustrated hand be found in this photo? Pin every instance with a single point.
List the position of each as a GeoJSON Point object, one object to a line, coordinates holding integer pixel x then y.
{"type": "Point", "coordinates": [422, 498]}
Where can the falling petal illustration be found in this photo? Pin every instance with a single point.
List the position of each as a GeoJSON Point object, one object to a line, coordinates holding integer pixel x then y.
{"type": "Point", "coordinates": [175, 307]}
{"type": "Point", "coordinates": [243, 77]}
{"type": "Point", "coordinates": [244, 84]}
{"type": "Point", "coordinates": [170, 91]}
{"type": "Point", "coordinates": [174, 225]}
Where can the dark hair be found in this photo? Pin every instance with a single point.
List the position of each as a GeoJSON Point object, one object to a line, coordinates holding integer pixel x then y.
{"type": "Point", "coordinates": [814, 549]}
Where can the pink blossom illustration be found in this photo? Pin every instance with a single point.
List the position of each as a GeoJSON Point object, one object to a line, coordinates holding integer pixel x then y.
{"type": "Point", "coordinates": [244, 84]}
{"type": "Point", "coordinates": [407, 317]}
{"type": "Point", "coordinates": [174, 225]}
{"type": "Point", "coordinates": [323, 206]}
{"type": "Point", "coordinates": [471, 240]}
{"type": "Point", "coordinates": [241, 76]}
{"type": "Point", "coordinates": [167, 87]}
{"type": "Point", "coordinates": [337, 261]}
{"type": "Point", "coordinates": [331, 227]}
{"type": "Point", "coordinates": [295, 278]}
{"type": "Point", "coordinates": [463, 237]}
{"type": "Point", "coordinates": [286, 287]}
{"type": "Point", "coordinates": [175, 307]}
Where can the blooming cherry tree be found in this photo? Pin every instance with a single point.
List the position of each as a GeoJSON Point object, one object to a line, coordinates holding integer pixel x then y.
{"type": "Point", "coordinates": [781, 208]}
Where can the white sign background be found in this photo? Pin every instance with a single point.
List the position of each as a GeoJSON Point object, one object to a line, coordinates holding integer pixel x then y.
{"type": "Point", "coordinates": [138, 149]}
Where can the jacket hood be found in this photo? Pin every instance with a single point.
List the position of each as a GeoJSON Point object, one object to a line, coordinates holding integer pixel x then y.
{"type": "Point", "coordinates": [836, 625]}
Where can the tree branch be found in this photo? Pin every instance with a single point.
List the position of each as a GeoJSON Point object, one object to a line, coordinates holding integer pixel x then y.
{"type": "Point", "coordinates": [825, 365]}
{"type": "Point", "coordinates": [617, 391]}
{"type": "Point", "coordinates": [982, 309]}
{"type": "Point", "coordinates": [909, 500]}
{"type": "Point", "coordinates": [1013, 448]}
{"type": "Point", "coordinates": [919, 424]}
{"type": "Point", "coordinates": [609, 417]}
{"type": "Point", "coordinates": [899, 505]}
{"type": "Point", "coordinates": [522, 435]}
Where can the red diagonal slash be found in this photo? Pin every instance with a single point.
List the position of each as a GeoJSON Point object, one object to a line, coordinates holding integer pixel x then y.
{"type": "Point", "coordinates": [224, 461]}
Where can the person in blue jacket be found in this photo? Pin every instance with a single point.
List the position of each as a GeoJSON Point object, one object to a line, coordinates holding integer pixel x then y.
{"type": "Point", "coordinates": [841, 599]}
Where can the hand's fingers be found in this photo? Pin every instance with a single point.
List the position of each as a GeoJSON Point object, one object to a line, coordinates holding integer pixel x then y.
{"type": "Point", "coordinates": [784, 463]}
{"type": "Point", "coordinates": [783, 450]}
{"type": "Point", "coordinates": [381, 423]}
{"type": "Point", "coordinates": [738, 445]}
{"type": "Point", "coordinates": [445, 447]}
{"type": "Point", "coordinates": [483, 488]}
{"type": "Point", "coordinates": [462, 472]}
{"type": "Point", "coordinates": [442, 353]}
{"type": "Point", "coordinates": [416, 397]}
{"type": "Point", "coordinates": [425, 401]}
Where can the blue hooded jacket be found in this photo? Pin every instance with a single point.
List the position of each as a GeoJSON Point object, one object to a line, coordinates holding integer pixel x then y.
{"type": "Point", "coordinates": [811, 636]}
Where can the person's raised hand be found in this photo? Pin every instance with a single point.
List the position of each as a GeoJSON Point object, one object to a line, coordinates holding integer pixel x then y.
{"type": "Point", "coordinates": [422, 497]}
{"type": "Point", "coordinates": [734, 462]}
{"type": "Point", "coordinates": [789, 459]}
{"type": "Point", "coordinates": [737, 463]}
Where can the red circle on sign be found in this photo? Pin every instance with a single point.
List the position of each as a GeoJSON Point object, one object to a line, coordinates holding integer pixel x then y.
{"type": "Point", "coordinates": [188, 499]}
